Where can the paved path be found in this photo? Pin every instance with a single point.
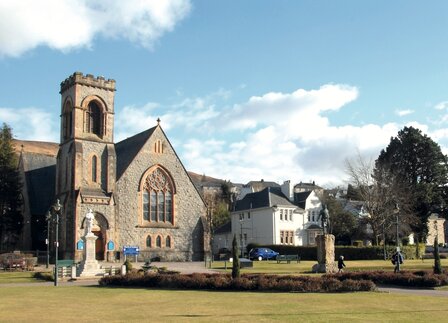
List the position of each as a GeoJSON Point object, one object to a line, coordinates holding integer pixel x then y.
{"type": "Point", "coordinates": [414, 291]}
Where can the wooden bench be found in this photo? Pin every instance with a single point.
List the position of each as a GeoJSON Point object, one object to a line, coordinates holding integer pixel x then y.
{"type": "Point", "coordinates": [287, 258]}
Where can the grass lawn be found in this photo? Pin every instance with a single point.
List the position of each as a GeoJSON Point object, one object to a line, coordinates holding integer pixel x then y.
{"type": "Point", "coordinates": [82, 304]}
{"type": "Point", "coordinates": [304, 267]}
{"type": "Point", "coordinates": [7, 277]}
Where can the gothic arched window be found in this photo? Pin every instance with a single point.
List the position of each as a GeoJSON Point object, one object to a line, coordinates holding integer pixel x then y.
{"type": "Point", "coordinates": [93, 118]}
{"type": "Point", "coordinates": [159, 242]}
{"type": "Point", "coordinates": [157, 197]}
{"type": "Point", "coordinates": [67, 120]}
{"type": "Point", "coordinates": [168, 242]}
{"type": "Point", "coordinates": [148, 242]}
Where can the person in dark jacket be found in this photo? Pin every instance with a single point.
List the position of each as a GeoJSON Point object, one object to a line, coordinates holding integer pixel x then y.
{"type": "Point", "coordinates": [397, 260]}
{"type": "Point", "coordinates": [341, 264]}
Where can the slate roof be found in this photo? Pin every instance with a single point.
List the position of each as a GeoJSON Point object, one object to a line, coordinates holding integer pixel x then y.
{"type": "Point", "coordinates": [314, 227]}
{"type": "Point", "coordinates": [308, 186]}
{"type": "Point", "coordinates": [268, 197]}
{"type": "Point", "coordinates": [225, 228]}
{"type": "Point", "coordinates": [40, 177]}
{"type": "Point", "coordinates": [127, 149]}
{"type": "Point", "coordinates": [258, 186]}
{"type": "Point", "coordinates": [300, 198]}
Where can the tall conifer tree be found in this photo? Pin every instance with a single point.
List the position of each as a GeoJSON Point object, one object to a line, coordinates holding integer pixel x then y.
{"type": "Point", "coordinates": [11, 219]}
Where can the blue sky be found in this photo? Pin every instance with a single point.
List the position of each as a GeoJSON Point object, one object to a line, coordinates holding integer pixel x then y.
{"type": "Point", "coordinates": [245, 89]}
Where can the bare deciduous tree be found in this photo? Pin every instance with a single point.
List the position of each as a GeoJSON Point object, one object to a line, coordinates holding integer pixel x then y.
{"type": "Point", "coordinates": [381, 194]}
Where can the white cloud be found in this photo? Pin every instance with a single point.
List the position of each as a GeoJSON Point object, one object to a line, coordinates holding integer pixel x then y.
{"type": "Point", "coordinates": [441, 105]}
{"type": "Point", "coordinates": [275, 136]}
{"type": "Point", "coordinates": [290, 136]}
{"type": "Point", "coordinates": [65, 25]}
{"type": "Point", "coordinates": [31, 124]}
{"type": "Point", "coordinates": [402, 113]}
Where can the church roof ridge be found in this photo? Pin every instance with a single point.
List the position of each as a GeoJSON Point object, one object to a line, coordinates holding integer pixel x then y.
{"type": "Point", "coordinates": [128, 148]}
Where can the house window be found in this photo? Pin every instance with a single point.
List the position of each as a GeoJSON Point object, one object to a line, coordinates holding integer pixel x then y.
{"type": "Point", "coordinates": [93, 118]}
{"type": "Point", "coordinates": [291, 237]}
{"type": "Point", "coordinates": [248, 215]}
{"type": "Point", "coordinates": [281, 214]}
{"type": "Point", "coordinates": [148, 242]}
{"type": "Point", "coordinates": [159, 242]}
{"type": "Point", "coordinates": [157, 197]}
{"type": "Point", "coordinates": [168, 242]}
{"type": "Point", "coordinates": [290, 215]}
{"type": "Point", "coordinates": [282, 233]}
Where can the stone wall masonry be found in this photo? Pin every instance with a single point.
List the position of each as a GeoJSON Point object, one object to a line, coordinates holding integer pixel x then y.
{"type": "Point", "coordinates": [188, 205]}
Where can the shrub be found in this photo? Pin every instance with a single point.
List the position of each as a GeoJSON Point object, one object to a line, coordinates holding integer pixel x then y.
{"type": "Point", "coordinates": [243, 283]}
{"type": "Point", "coordinates": [403, 278]}
{"type": "Point", "coordinates": [128, 265]}
{"type": "Point", "coordinates": [48, 276]}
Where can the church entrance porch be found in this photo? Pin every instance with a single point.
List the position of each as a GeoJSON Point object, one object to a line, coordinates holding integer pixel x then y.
{"type": "Point", "coordinates": [99, 245]}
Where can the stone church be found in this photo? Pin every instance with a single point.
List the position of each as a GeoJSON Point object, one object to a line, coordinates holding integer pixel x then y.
{"type": "Point", "coordinates": [138, 189]}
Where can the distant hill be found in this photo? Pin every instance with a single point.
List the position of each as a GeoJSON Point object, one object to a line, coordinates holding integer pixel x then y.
{"type": "Point", "coordinates": [198, 179]}
{"type": "Point", "coordinates": [51, 149]}
{"type": "Point", "coordinates": [37, 147]}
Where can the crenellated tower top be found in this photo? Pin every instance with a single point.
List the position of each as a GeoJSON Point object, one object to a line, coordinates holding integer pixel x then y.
{"type": "Point", "coordinates": [88, 80]}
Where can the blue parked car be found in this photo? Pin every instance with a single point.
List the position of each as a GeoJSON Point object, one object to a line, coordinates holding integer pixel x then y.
{"type": "Point", "coordinates": [264, 253]}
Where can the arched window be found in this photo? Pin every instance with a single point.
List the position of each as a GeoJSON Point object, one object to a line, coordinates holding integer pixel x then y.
{"type": "Point", "coordinates": [148, 242]}
{"type": "Point", "coordinates": [93, 118]}
{"type": "Point", "coordinates": [157, 197]}
{"type": "Point", "coordinates": [168, 242]}
{"type": "Point", "coordinates": [159, 242]}
{"type": "Point", "coordinates": [67, 120]}
{"type": "Point", "coordinates": [94, 169]}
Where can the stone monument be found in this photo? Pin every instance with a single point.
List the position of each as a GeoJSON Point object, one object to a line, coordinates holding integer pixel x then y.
{"type": "Point", "coordinates": [325, 246]}
{"type": "Point", "coordinates": [89, 266]}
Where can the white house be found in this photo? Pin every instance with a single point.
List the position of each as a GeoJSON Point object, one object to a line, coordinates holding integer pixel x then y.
{"type": "Point", "coordinates": [311, 204]}
{"type": "Point", "coordinates": [268, 217]}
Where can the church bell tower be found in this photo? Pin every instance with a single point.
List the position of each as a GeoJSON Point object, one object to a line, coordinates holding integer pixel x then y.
{"type": "Point", "coordinates": [86, 161]}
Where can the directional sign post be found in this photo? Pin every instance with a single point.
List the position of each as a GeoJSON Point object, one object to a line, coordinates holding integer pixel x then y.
{"type": "Point", "coordinates": [131, 250]}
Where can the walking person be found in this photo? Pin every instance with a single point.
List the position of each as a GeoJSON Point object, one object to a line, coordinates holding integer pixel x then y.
{"type": "Point", "coordinates": [341, 264]}
{"type": "Point", "coordinates": [397, 260]}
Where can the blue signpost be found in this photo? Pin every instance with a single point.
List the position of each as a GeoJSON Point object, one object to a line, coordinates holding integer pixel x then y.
{"type": "Point", "coordinates": [131, 251]}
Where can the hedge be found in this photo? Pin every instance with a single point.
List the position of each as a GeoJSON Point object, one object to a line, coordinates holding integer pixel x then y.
{"type": "Point", "coordinates": [349, 253]}
{"type": "Point", "coordinates": [246, 282]}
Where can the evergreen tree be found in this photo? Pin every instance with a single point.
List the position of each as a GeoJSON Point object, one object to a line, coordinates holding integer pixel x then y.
{"type": "Point", "coordinates": [11, 220]}
{"type": "Point", "coordinates": [343, 224]}
{"type": "Point", "coordinates": [418, 163]}
{"type": "Point", "coordinates": [236, 258]}
{"type": "Point", "coordinates": [437, 264]}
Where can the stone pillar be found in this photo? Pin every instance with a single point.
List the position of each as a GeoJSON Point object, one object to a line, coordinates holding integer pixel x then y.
{"type": "Point", "coordinates": [325, 254]}
{"type": "Point", "coordinates": [89, 266]}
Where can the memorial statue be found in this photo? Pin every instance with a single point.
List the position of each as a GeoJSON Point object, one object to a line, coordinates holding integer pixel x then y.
{"type": "Point", "coordinates": [89, 221]}
{"type": "Point", "coordinates": [324, 218]}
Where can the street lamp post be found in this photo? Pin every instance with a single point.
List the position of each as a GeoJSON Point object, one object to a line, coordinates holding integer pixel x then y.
{"type": "Point", "coordinates": [47, 241]}
{"type": "Point", "coordinates": [384, 241]}
{"type": "Point", "coordinates": [241, 237]}
{"type": "Point", "coordinates": [397, 211]}
{"type": "Point", "coordinates": [55, 210]}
